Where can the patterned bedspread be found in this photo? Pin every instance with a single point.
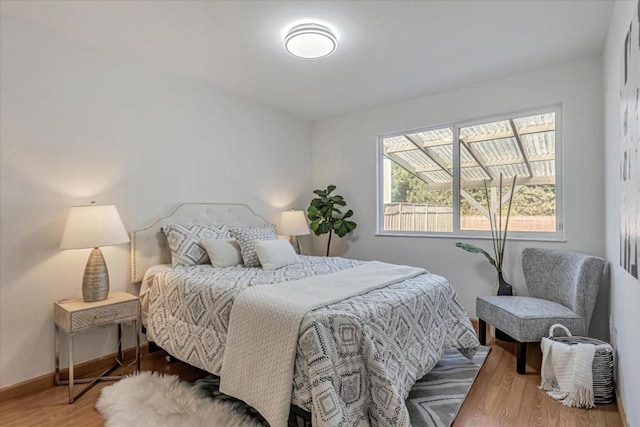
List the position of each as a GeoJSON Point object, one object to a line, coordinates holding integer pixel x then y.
{"type": "Point", "coordinates": [356, 360]}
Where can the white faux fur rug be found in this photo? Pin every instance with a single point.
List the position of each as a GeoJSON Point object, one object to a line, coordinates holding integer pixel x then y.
{"type": "Point", "coordinates": [152, 399]}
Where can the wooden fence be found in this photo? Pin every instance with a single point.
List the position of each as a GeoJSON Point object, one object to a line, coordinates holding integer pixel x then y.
{"type": "Point", "coordinates": [412, 217]}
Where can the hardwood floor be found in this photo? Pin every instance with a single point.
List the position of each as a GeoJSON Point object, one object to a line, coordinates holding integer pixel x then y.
{"type": "Point", "coordinates": [499, 397]}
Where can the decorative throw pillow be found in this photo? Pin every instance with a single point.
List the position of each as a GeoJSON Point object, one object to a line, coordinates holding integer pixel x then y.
{"type": "Point", "coordinates": [275, 254]}
{"type": "Point", "coordinates": [183, 242]}
{"type": "Point", "coordinates": [222, 252]}
{"type": "Point", "coordinates": [246, 237]}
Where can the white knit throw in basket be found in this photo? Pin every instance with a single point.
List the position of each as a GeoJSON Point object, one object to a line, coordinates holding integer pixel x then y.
{"type": "Point", "coordinates": [602, 367]}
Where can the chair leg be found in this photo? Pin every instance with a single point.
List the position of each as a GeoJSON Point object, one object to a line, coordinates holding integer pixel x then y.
{"type": "Point", "coordinates": [521, 362]}
{"type": "Point", "coordinates": [482, 331]}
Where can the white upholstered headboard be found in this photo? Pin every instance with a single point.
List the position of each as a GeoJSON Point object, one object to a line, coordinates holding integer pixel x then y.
{"type": "Point", "coordinates": [149, 246]}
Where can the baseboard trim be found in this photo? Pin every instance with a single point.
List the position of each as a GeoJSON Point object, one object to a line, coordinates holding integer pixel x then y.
{"type": "Point", "coordinates": [47, 380]}
{"type": "Point", "coordinates": [623, 414]}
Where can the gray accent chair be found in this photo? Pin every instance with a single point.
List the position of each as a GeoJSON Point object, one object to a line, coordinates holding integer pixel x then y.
{"type": "Point", "coordinates": [563, 287]}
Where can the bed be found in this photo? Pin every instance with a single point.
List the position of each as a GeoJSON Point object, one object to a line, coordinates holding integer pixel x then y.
{"type": "Point", "coordinates": [355, 359]}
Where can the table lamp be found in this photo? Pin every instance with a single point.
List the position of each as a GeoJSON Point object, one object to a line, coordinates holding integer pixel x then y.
{"type": "Point", "coordinates": [91, 227]}
{"type": "Point", "coordinates": [293, 224]}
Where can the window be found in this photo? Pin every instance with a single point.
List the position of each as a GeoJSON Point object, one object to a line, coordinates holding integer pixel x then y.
{"type": "Point", "coordinates": [432, 180]}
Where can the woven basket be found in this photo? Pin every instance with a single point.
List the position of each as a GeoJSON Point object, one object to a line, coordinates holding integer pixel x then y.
{"type": "Point", "coordinates": [602, 367]}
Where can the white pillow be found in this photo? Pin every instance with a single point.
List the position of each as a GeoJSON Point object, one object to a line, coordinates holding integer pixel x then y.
{"type": "Point", "coordinates": [275, 254]}
{"type": "Point", "coordinates": [223, 252]}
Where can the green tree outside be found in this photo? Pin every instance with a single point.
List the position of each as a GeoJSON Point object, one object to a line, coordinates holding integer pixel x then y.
{"type": "Point", "coordinates": [529, 200]}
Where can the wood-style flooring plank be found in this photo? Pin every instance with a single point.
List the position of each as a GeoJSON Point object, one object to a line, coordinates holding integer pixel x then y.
{"type": "Point", "coordinates": [498, 397]}
{"type": "Point", "coordinates": [502, 397]}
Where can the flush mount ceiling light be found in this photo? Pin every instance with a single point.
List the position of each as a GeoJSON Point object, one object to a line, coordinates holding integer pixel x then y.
{"type": "Point", "coordinates": [310, 41]}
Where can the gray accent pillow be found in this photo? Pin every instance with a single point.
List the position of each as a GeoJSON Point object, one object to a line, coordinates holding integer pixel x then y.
{"type": "Point", "coordinates": [247, 236]}
{"type": "Point", "coordinates": [183, 242]}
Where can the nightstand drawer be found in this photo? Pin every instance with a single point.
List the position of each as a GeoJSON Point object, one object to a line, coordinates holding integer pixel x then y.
{"type": "Point", "coordinates": [104, 315]}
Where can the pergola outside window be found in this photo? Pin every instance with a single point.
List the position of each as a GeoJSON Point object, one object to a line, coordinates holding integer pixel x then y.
{"type": "Point", "coordinates": [431, 180]}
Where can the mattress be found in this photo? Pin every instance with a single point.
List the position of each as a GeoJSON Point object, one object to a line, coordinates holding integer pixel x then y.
{"type": "Point", "coordinates": [356, 360]}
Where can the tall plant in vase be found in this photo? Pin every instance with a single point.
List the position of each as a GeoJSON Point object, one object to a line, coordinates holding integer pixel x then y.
{"type": "Point", "coordinates": [498, 237]}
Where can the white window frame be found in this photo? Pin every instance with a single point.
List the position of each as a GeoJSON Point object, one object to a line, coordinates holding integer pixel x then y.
{"type": "Point", "coordinates": [557, 235]}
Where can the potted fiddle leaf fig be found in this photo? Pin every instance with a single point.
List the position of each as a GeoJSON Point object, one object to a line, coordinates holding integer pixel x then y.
{"type": "Point", "coordinates": [325, 215]}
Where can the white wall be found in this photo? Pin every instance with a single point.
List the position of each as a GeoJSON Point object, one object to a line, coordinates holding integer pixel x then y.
{"type": "Point", "coordinates": [344, 154]}
{"type": "Point", "coordinates": [625, 290]}
{"type": "Point", "coordinates": [80, 125]}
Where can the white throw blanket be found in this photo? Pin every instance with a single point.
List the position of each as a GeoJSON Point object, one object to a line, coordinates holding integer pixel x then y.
{"type": "Point", "coordinates": [567, 372]}
{"type": "Point", "coordinates": [258, 363]}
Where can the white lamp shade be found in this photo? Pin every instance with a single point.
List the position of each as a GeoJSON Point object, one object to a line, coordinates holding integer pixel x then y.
{"type": "Point", "coordinates": [293, 223]}
{"type": "Point", "coordinates": [93, 226]}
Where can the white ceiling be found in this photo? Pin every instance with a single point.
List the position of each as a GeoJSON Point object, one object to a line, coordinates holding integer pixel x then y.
{"type": "Point", "coordinates": [387, 50]}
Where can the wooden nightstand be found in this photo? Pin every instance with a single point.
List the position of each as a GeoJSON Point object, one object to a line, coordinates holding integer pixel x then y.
{"type": "Point", "coordinates": [74, 316]}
